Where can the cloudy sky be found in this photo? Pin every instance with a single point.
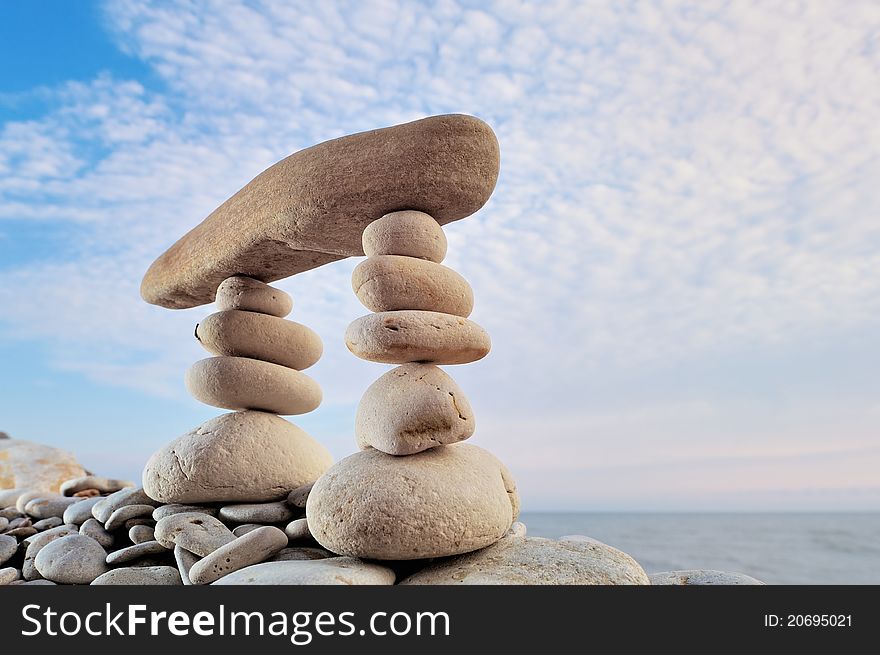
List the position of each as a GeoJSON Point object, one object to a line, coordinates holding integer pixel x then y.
{"type": "Point", "coordinates": [678, 268]}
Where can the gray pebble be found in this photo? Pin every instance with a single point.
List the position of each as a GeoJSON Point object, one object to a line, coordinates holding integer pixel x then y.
{"type": "Point", "coordinates": [8, 547]}
{"type": "Point", "coordinates": [21, 533]}
{"type": "Point", "coordinates": [46, 524]}
{"type": "Point", "coordinates": [185, 560]}
{"type": "Point", "coordinates": [36, 543]}
{"type": "Point", "coordinates": [4, 523]}
{"type": "Point", "coordinates": [92, 528]}
{"type": "Point", "coordinates": [80, 512]}
{"type": "Point", "coordinates": [75, 559]}
{"type": "Point", "coordinates": [199, 533]}
{"type": "Point", "coordinates": [252, 548]}
{"type": "Point", "coordinates": [141, 533]}
{"type": "Point", "coordinates": [242, 530]}
{"type": "Point", "coordinates": [130, 496]}
{"type": "Point", "coordinates": [9, 575]}
{"type": "Point", "coordinates": [10, 513]}
{"type": "Point", "coordinates": [135, 552]}
{"type": "Point", "coordinates": [48, 506]}
{"type": "Point", "coordinates": [295, 553]}
{"type": "Point", "coordinates": [299, 496]}
{"type": "Point", "coordinates": [298, 530]}
{"type": "Point", "coordinates": [168, 510]}
{"type": "Point", "coordinates": [140, 575]}
{"type": "Point", "coordinates": [263, 513]}
{"type": "Point", "coordinates": [20, 522]}
{"type": "Point", "coordinates": [118, 518]}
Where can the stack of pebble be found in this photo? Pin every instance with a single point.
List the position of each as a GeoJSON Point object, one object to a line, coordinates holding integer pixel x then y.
{"type": "Point", "coordinates": [250, 455]}
{"type": "Point", "coordinates": [429, 495]}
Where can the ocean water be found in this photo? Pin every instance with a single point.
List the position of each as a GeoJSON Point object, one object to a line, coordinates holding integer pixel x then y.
{"type": "Point", "coordinates": [789, 548]}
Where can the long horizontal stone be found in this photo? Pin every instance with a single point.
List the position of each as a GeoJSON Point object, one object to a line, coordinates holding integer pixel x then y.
{"type": "Point", "coordinates": [311, 208]}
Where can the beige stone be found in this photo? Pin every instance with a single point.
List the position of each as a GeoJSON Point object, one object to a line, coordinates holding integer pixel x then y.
{"type": "Point", "coordinates": [122, 498]}
{"type": "Point", "coordinates": [43, 507]}
{"type": "Point", "coordinates": [36, 543]}
{"type": "Point", "coordinates": [277, 512]}
{"type": "Point", "coordinates": [254, 547]}
{"type": "Point", "coordinates": [198, 533]}
{"type": "Point", "coordinates": [298, 497]}
{"type": "Point", "coordinates": [702, 577]}
{"type": "Point", "coordinates": [250, 295]}
{"type": "Point", "coordinates": [90, 482]}
{"type": "Point", "coordinates": [140, 575]}
{"type": "Point", "coordinates": [236, 333]}
{"type": "Point", "coordinates": [138, 534]}
{"type": "Point", "coordinates": [391, 282]}
{"type": "Point", "coordinates": [94, 530]}
{"type": "Point", "coordinates": [412, 408]}
{"type": "Point", "coordinates": [311, 208]}
{"type": "Point", "coordinates": [35, 467]}
{"type": "Point", "coordinates": [408, 233]}
{"type": "Point", "coordinates": [331, 571]}
{"type": "Point", "coordinates": [75, 559]}
{"type": "Point", "coordinates": [46, 524]}
{"type": "Point", "coordinates": [80, 512]}
{"type": "Point", "coordinates": [135, 552]}
{"type": "Point", "coordinates": [443, 501]}
{"type": "Point", "coordinates": [8, 575]}
{"type": "Point", "coordinates": [240, 383]}
{"type": "Point", "coordinates": [520, 560]}
{"type": "Point", "coordinates": [298, 530]}
{"type": "Point", "coordinates": [236, 457]}
{"type": "Point", "coordinates": [121, 516]}
{"type": "Point", "coordinates": [417, 336]}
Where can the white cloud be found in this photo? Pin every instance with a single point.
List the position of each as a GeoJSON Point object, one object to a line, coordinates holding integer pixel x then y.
{"type": "Point", "coordinates": [678, 181]}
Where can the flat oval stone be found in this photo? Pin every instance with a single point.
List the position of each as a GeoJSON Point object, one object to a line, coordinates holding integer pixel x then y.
{"type": "Point", "coordinates": [51, 522]}
{"type": "Point", "coordinates": [240, 383]}
{"type": "Point", "coordinates": [46, 507]}
{"type": "Point", "coordinates": [200, 534]}
{"type": "Point", "coordinates": [443, 501]}
{"type": "Point", "coordinates": [412, 408]}
{"type": "Point", "coordinates": [408, 233]}
{"type": "Point", "coordinates": [4, 523]}
{"type": "Point", "coordinates": [250, 295]}
{"type": "Point", "coordinates": [298, 530]}
{"type": "Point", "coordinates": [277, 512]}
{"type": "Point", "coordinates": [332, 571]}
{"type": "Point", "coordinates": [80, 512]}
{"type": "Point", "coordinates": [120, 516]}
{"type": "Point", "coordinates": [238, 457]}
{"type": "Point", "coordinates": [94, 530]}
{"type": "Point", "coordinates": [137, 551]}
{"type": "Point", "coordinates": [141, 533]}
{"type": "Point", "coordinates": [130, 496]}
{"type": "Point", "coordinates": [254, 547]}
{"type": "Point", "coordinates": [102, 485]}
{"type": "Point", "coordinates": [184, 560]}
{"type": "Point", "coordinates": [311, 208]}
{"type": "Point", "coordinates": [175, 508]}
{"type": "Point", "coordinates": [536, 561]}
{"type": "Point", "coordinates": [257, 336]}
{"type": "Point", "coordinates": [296, 553]}
{"type": "Point", "coordinates": [702, 577]}
{"type": "Point", "coordinates": [8, 575]}
{"type": "Point", "coordinates": [8, 547]}
{"type": "Point", "coordinates": [21, 533]}
{"type": "Point", "coordinates": [299, 496]}
{"type": "Point", "coordinates": [417, 336]}
{"type": "Point", "coordinates": [140, 575]}
{"type": "Point", "coordinates": [390, 282]}
{"type": "Point", "coordinates": [75, 559]}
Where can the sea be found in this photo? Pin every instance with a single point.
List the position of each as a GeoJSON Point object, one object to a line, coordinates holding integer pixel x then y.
{"type": "Point", "coordinates": [777, 548]}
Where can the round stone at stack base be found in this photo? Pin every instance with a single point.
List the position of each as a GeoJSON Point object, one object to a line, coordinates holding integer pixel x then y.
{"type": "Point", "coordinates": [409, 233]}
{"type": "Point", "coordinates": [391, 282]}
{"type": "Point", "coordinates": [417, 336]}
{"type": "Point", "coordinates": [241, 383]}
{"type": "Point", "coordinates": [250, 295]}
{"type": "Point", "coordinates": [237, 457]}
{"type": "Point", "coordinates": [236, 333]}
{"type": "Point", "coordinates": [443, 501]}
{"type": "Point", "coordinates": [412, 408]}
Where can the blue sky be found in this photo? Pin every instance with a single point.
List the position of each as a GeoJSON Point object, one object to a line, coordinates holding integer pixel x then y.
{"type": "Point", "coordinates": [678, 267]}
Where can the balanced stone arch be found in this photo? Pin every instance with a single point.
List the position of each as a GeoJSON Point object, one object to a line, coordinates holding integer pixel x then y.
{"type": "Point", "coordinates": [248, 497]}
